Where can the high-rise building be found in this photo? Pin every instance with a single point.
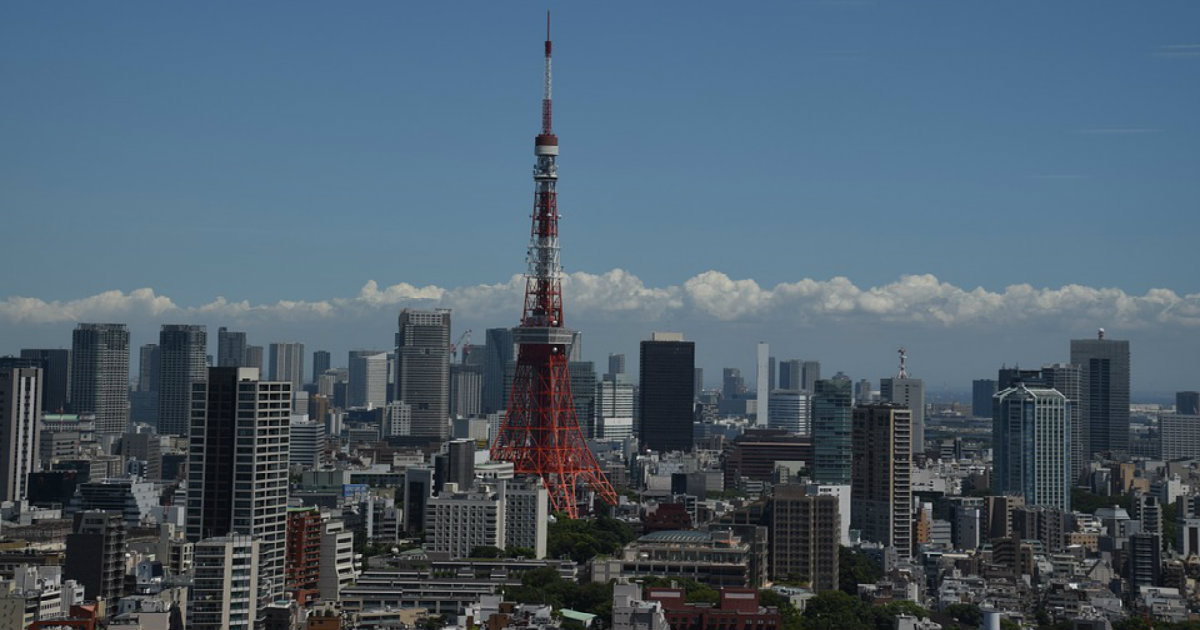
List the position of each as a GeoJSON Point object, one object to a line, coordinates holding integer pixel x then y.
{"type": "Point", "coordinates": [666, 368]}
{"type": "Point", "coordinates": [181, 364]}
{"type": "Point", "coordinates": [1186, 403]}
{"type": "Point", "coordinates": [458, 522]}
{"type": "Point", "coordinates": [526, 514]}
{"type": "Point", "coordinates": [225, 588]}
{"type": "Point", "coordinates": [805, 537]}
{"type": "Point", "coordinates": [1179, 435]}
{"type": "Point", "coordinates": [583, 393]}
{"type": "Point", "coordinates": [616, 364]}
{"type": "Point", "coordinates": [100, 375]}
{"type": "Point", "coordinates": [762, 384]}
{"type": "Point", "coordinates": [254, 359]}
{"type": "Point", "coordinates": [307, 442]}
{"type": "Point", "coordinates": [321, 362]}
{"type": "Point", "coordinates": [149, 368]}
{"type": "Point", "coordinates": [20, 421]}
{"type": "Point", "coordinates": [498, 353]}
{"type": "Point", "coordinates": [614, 407]}
{"type": "Point", "coordinates": [1031, 442]}
{"type": "Point", "coordinates": [832, 426]}
{"type": "Point", "coordinates": [1067, 378]}
{"type": "Point", "coordinates": [302, 563]}
{"type": "Point", "coordinates": [789, 410]}
{"type": "Point", "coordinates": [368, 378]}
{"type": "Point", "coordinates": [732, 383]}
{"type": "Point", "coordinates": [910, 393]}
{"type": "Point", "coordinates": [287, 363]}
{"type": "Point", "coordinates": [1104, 392]}
{"type": "Point", "coordinates": [96, 554]}
{"type": "Point", "coordinates": [791, 374]}
{"type": "Point", "coordinates": [231, 348]}
{"type": "Point", "coordinates": [56, 377]}
{"type": "Point", "coordinates": [238, 465]}
{"type": "Point", "coordinates": [423, 370]}
{"type": "Point", "coordinates": [982, 391]}
{"type": "Point", "coordinates": [810, 373]}
{"type": "Point", "coordinates": [698, 384]}
{"type": "Point", "coordinates": [466, 390]}
{"type": "Point", "coordinates": [881, 476]}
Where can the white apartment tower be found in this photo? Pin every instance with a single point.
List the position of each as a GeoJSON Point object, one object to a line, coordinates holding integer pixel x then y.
{"type": "Point", "coordinates": [224, 593]}
{"type": "Point", "coordinates": [20, 418]}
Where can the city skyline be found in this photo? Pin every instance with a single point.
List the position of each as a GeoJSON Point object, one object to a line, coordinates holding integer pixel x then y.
{"type": "Point", "coordinates": [851, 154]}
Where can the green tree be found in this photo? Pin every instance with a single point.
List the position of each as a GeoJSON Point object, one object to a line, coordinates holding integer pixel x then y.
{"type": "Point", "coordinates": [966, 613]}
{"type": "Point", "coordinates": [854, 568]}
{"type": "Point", "coordinates": [788, 614]}
{"type": "Point", "coordinates": [835, 610]}
{"type": "Point", "coordinates": [487, 551]}
{"type": "Point", "coordinates": [584, 539]}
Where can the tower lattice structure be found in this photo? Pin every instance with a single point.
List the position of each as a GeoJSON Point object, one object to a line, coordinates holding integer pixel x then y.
{"type": "Point", "coordinates": [541, 434]}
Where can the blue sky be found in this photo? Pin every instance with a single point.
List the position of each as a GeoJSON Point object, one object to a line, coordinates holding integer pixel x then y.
{"type": "Point", "coordinates": [294, 151]}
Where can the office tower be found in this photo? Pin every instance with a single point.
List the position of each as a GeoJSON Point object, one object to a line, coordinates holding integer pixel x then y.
{"type": "Point", "coordinates": [321, 363]}
{"type": "Point", "coordinates": [181, 364]}
{"type": "Point", "coordinates": [144, 447]}
{"type": "Point", "coordinates": [982, 391]}
{"type": "Point", "coordinates": [225, 588]}
{"type": "Point", "coordinates": [526, 514]}
{"type": "Point", "coordinates": [254, 358]}
{"type": "Point", "coordinates": [616, 364]}
{"type": "Point", "coordinates": [698, 384]}
{"type": "Point", "coordinates": [96, 554]}
{"type": "Point", "coordinates": [287, 363]}
{"type": "Point", "coordinates": [368, 378]}
{"type": "Point", "coordinates": [1145, 560]}
{"type": "Point", "coordinates": [1008, 377]}
{"type": "Point", "coordinates": [789, 411]}
{"type": "Point", "coordinates": [1186, 403]}
{"type": "Point", "coordinates": [805, 535]}
{"type": "Point", "coordinates": [762, 384]}
{"type": "Point", "coordinates": [732, 383]}
{"type": "Point", "coordinates": [583, 393]}
{"type": "Point", "coordinates": [1179, 435]}
{"type": "Point", "coordinates": [149, 368]}
{"type": "Point", "coordinates": [1067, 378]}
{"type": "Point", "coordinates": [306, 443]}
{"type": "Point", "coordinates": [810, 374]}
{"type": "Point", "coordinates": [666, 368]}
{"type": "Point", "coordinates": [56, 377]}
{"type": "Point", "coordinates": [499, 351]}
{"type": "Point", "coordinates": [100, 375]}
{"type": "Point", "coordinates": [832, 423]}
{"type": "Point", "coordinates": [456, 465]}
{"type": "Point", "coordinates": [466, 390]}
{"type": "Point", "coordinates": [423, 370]}
{"type": "Point", "coordinates": [458, 522]}
{"type": "Point", "coordinates": [238, 465]}
{"type": "Point", "coordinates": [614, 407]}
{"type": "Point", "coordinates": [20, 421]}
{"type": "Point", "coordinates": [863, 393]}
{"type": "Point", "coordinates": [1104, 392]}
{"type": "Point", "coordinates": [418, 488]}
{"type": "Point", "coordinates": [1031, 442]}
{"type": "Point", "coordinates": [910, 393]}
{"type": "Point", "coordinates": [791, 374]}
{"type": "Point", "coordinates": [881, 476]}
{"type": "Point", "coordinates": [231, 348]}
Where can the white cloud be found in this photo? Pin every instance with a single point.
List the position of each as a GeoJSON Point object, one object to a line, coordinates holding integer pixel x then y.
{"type": "Point", "coordinates": [914, 299]}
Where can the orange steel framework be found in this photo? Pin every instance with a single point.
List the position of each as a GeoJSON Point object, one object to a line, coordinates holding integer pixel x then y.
{"type": "Point", "coordinates": [541, 434]}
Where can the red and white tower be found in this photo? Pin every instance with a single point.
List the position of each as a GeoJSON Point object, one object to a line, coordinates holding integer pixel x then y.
{"type": "Point", "coordinates": [541, 434]}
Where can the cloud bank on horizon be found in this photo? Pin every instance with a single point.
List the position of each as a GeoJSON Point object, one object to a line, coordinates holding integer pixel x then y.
{"type": "Point", "coordinates": [712, 295]}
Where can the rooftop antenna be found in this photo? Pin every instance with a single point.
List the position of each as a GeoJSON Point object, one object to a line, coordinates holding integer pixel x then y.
{"type": "Point", "coordinates": [903, 369]}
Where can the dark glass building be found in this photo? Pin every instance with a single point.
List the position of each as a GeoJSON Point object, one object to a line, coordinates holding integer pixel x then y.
{"type": "Point", "coordinates": [667, 376]}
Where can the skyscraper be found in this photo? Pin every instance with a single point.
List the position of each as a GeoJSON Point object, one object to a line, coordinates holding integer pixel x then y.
{"type": "Point", "coordinates": [238, 465]}
{"type": "Point", "coordinates": [881, 476]}
{"type": "Point", "coordinates": [1104, 392]}
{"type": "Point", "coordinates": [666, 370]}
{"type": "Point", "coordinates": [614, 407]}
{"type": "Point", "coordinates": [254, 358]}
{"type": "Point", "coordinates": [789, 410]}
{"type": "Point", "coordinates": [583, 394]}
{"type": "Point", "coordinates": [982, 391]}
{"type": "Point", "coordinates": [56, 377]}
{"type": "Point", "coordinates": [368, 378]}
{"type": "Point", "coordinates": [423, 370]}
{"type": "Point", "coordinates": [466, 390]}
{"type": "Point", "coordinates": [20, 419]}
{"type": "Point", "coordinates": [810, 374]}
{"type": "Point", "coordinates": [762, 384]}
{"type": "Point", "coordinates": [805, 536]}
{"type": "Point", "coordinates": [231, 348]}
{"type": "Point", "coordinates": [321, 362]}
{"type": "Point", "coordinates": [1067, 378]}
{"type": "Point", "coordinates": [909, 392]}
{"type": "Point", "coordinates": [1031, 438]}
{"type": "Point", "coordinates": [1186, 403]}
{"type": "Point", "coordinates": [181, 364]}
{"type": "Point", "coordinates": [287, 363]}
{"type": "Point", "coordinates": [100, 375]}
{"type": "Point", "coordinates": [225, 590]}
{"type": "Point", "coordinates": [149, 367]}
{"type": "Point", "coordinates": [791, 374]}
{"type": "Point", "coordinates": [831, 432]}
{"type": "Point", "coordinates": [498, 353]}
{"type": "Point", "coordinates": [616, 364]}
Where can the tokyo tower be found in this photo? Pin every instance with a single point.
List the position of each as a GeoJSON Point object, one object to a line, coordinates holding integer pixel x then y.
{"type": "Point", "coordinates": [541, 434]}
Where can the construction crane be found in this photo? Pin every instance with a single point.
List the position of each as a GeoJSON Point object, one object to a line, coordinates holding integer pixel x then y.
{"type": "Point", "coordinates": [464, 342]}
